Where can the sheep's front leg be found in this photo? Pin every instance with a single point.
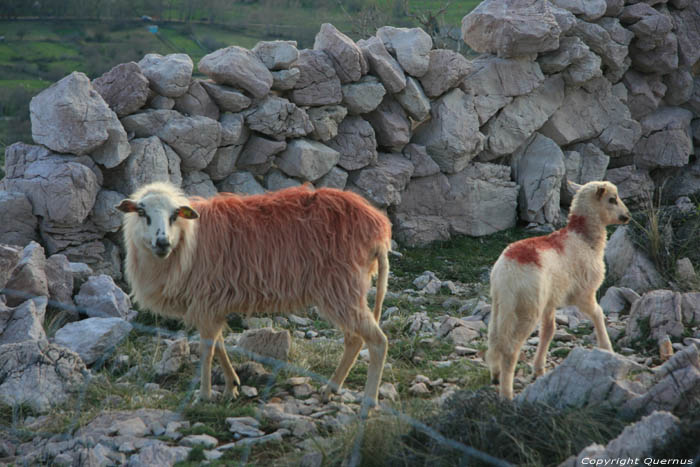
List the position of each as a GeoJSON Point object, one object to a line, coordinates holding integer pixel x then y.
{"type": "Point", "coordinates": [207, 342]}
{"type": "Point", "coordinates": [589, 306]}
{"type": "Point", "coordinates": [232, 380]}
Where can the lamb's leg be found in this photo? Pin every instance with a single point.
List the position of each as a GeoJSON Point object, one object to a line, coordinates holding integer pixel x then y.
{"type": "Point", "coordinates": [547, 328]}
{"type": "Point", "coordinates": [353, 345]}
{"type": "Point", "coordinates": [232, 381]}
{"type": "Point", "coordinates": [377, 345]}
{"type": "Point", "coordinates": [589, 306]}
{"type": "Point", "coordinates": [207, 343]}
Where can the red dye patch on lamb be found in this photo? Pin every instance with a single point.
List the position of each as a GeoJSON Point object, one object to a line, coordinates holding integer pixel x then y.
{"type": "Point", "coordinates": [527, 251]}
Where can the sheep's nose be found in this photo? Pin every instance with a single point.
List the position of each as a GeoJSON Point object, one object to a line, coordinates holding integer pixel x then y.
{"type": "Point", "coordinates": [162, 243]}
{"type": "Point", "coordinates": [624, 218]}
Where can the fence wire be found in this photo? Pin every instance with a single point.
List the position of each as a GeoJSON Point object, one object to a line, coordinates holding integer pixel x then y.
{"type": "Point", "coordinates": [354, 458]}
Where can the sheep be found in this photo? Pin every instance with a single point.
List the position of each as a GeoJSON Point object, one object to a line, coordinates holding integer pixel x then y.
{"type": "Point", "coordinates": [534, 276]}
{"type": "Point", "coordinates": [200, 260]}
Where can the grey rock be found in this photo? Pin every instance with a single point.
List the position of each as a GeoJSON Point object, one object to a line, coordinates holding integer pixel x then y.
{"type": "Point", "coordinates": [71, 117]}
{"type": "Point", "coordinates": [628, 266]}
{"type": "Point", "coordinates": [228, 99]}
{"type": "Point", "coordinates": [382, 64]}
{"type": "Point", "coordinates": [363, 96]}
{"type": "Point", "coordinates": [197, 183]}
{"type": "Point", "coordinates": [239, 67]}
{"type": "Point", "coordinates": [411, 47]}
{"type": "Point", "coordinates": [174, 162]}
{"type": "Point", "coordinates": [325, 121]}
{"type": "Point", "coordinates": [610, 41]}
{"type": "Point", "coordinates": [104, 214]}
{"type": "Point", "coordinates": [587, 10]}
{"type": "Point", "coordinates": [538, 167]}
{"type": "Point", "coordinates": [666, 140]}
{"type": "Point", "coordinates": [267, 342]}
{"type": "Point", "coordinates": [23, 323]}
{"type": "Point", "coordinates": [39, 374]}
{"type": "Point", "coordinates": [383, 182]}
{"type": "Point", "coordinates": [94, 339]}
{"type": "Point", "coordinates": [258, 154]}
{"type": "Point", "coordinates": [685, 183]}
{"type": "Point", "coordinates": [645, 92]}
{"type": "Point", "coordinates": [196, 101]}
{"type": "Point", "coordinates": [356, 143]}
{"type": "Point", "coordinates": [413, 100]}
{"type": "Point", "coordinates": [663, 58]}
{"type": "Point", "coordinates": [124, 88]}
{"type": "Point", "coordinates": [284, 80]}
{"type": "Point", "coordinates": [147, 163]}
{"type": "Point", "coordinates": [564, 18]}
{"type": "Point", "coordinates": [423, 164]}
{"type": "Point", "coordinates": [451, 136]}
{"type": "Point", "coordinates": [509, 77]}
{"type": "Point", "coordinates": [28, 278]}
{"type": "Point", "coordinates": [279, 118]}
{"type": "Point", "coordinates": [276, 180]}
{"type": "Point", "coordinates": [318, 84]}
{"type": "Point", "coordinates": [488, 106]}
{"type": "Point", "coordinates": [244, 426]}
{"type": "Point", "coordinates": [391, 124]}
{"type": "Point", "coordinates": [614, 7]}
{"type": "Point", "coordinates": [618, 299]}
{"type": "Point", "coordinates": [59, 276]}
{"type": "Point", "coordinates": [100, 297]}
{"type": "Point", "coordinates": [633, 184]}
{"type": "Point", "coordinates": [81, 273]}
{"type": "Point", "coordinates": [18, 225]}
{"type": "Point", "coordinates": [159, 454]}
{"type": "Point", "coordinates": [233, 129]}
{"type": "Point", "coordinates": [335, 178]}
{"type": "Point", "coordinates": [511, 29]}
{"type": "Point", "coordinates": [168, 76]}
{"type": "Point", "coordinates": [204, 440]}
{"type": "Point", "coordinates": [277, 55]}
{"type": "Point", "coordinates": [575, 59]}
{"type": "Point", "coordinates": [585, 163]}
{"type": "Point", "coordinates": [687, 27]}
{"type": "Point", "coordinates": [9, 257]}
{"type": "Point", "coordinates": [224, 162]}
{"type": "Point", "coordinates": [346, 56]}
{"type": "Point", "coordinates": [679, 85]}
{"type": "Point", "coordinates": [525, 114]}
{"type": "Point", "coordinates": [446, 70]}
{"type": "Point", "coordinates": [309, 160]}
{"type": "Point", "coordinates": [162, 103]}
{"type": "Point", "coordinates": [662, 310]}
{"type": "Point", "coordinates": [174, 355]}
{"type": "Point", "coordinates": [243, 183]}
{"type": "Point", "coordinates": [584, 378]}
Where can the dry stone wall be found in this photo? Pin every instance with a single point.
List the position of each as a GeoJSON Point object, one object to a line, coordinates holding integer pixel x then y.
{"type": "Point", "coordinates": [563, 91]}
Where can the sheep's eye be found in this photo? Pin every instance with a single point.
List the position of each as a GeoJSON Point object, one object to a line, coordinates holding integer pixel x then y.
{"type": "Point", "coordinates": [173, 218]}
{"type": "Point", "coordinates": [141, 212]}
{"type": "Point", "coordinates": [613, 200]}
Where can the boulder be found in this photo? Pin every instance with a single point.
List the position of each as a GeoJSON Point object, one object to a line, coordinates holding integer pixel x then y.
{"type": "Point", "coordinates": [94, 339]}
{"type": "Point", "coordinates": [356, 143]}
{"type": "Point", "coordinates": [159, 102]}
{"type": "Point", "coordinates": [627, 266]}
{"type": "Point", "coordinates": [538, 167]}
{"type": "Point", "coordinates": [645, 92]}
{"type": "Point", "coordinates": [632, 184]}
{"type": "Point", "coordinates": [477, 201]}
{"type": "Point", "coordinates": [686, 182]}
{"type": "Point", "coordinates": [589, 10]}
{"type": "Point", "coordinates": [159, 454]}
{"type": "Point", "coordinates": [258, 154]}
{"type": "Point", "coordinates": [276, 180]}
{"type": "Point", "coordinates": [318, 84]}
{"type": "Point", "coordinates": [679, 85]}
{"type": "Point", "coordinates": [587, 377]}
{"type": "Point", "coordinates": [277, 117]}
{"type": "Point", "coordinates": [609, 40]}
{"type": "Point", "coordinates": [363, 96]}
{"type": "Point", "coordinates": [174, 355]}
{"type": "Point", "coordinates": [284, 80]}
{"type": "Point", "coordinates": [104, 214]}
{"type": "Point", "coordinates": [168, 76]}
{"type": "Point", "coordinates": [423, 164]}
{"type": "Point", "coordinates": [239, 67]}
{"type": "Point", "coordinates": [518, 120]}
{"type": "Point", "coordinates": [23, 323]}
{"type": "Point", "coordinates": [654, 316]}
{"type": "Point", "coordinates": [564, 18]}
{"type": "Point", "coordinates": [335, 178]}
{"type": "Point", "coordinates": [346, 56]}
{"type": "Point", "coordinates": [100, 297]}
{"type": "Point", "coordinates": [9, 257]}
{"type": "Point", "coordinates": [447, 68]}
{"type": "Point", "coordinates": [618, 299]}
{"type": "Point", "coordinates": [277, 55]}
{"type": "Point", "coordinates": [243, 183]}
{"type": "Point", "coordinates": [511, 28]}
{"type": "Point", "coordinates": [575, 59]}
{"type": "Point", "coordinates": [147, 163]}
{"type": "Point", "coordinates": [662, 59]}
{"type": "Point", "coordinates": [686, 23]}
{"type": "Point", "coordinates": [383, 181]}
{"type": "Point", "coordinates": [325, 121]}
{"type": "Point", "coordinates": [174, 163]}
{"type": "Point", "coordinates": [233, 129]}
{"type": "Point", "coordinates": [39, 374]}
{"type": "Point", "coordinates": [59, 276]}
{"type": "Point", "coordinates": [224, 162]}
{"type": "Point", "coordinates": [411, 47]}
{"type": "Point", "coordinates": [391, 124]}
{"type": "Point", "coordinates": [307, 159]}
{"type": "Point", "coordinates": [585, 163]}
{"type": "Point", "coordinates": [196, 101]}
{"type": "Point", "coordinates": [382, 64]}
{"type": "Point", "coordinates": [451, 136]}
{"type": "Point", "coordinates": [71, 117]}
{"type": "Point", "coordinates": [197, 183]}
{"type": "Point", "coordinates": [666, 140]}
{"type": "Point", "coordinates": [266, 342]}
{"type": "Point", "coordinates": [28, 277]}
{"type": "Point", "coordinates": [508, 77]}
{"type": "Point", "coordinates": [413, 100]}
{"type": "Point", "coordinates": [18, 225]}
{"type": "Point", "coordinates": [124, 88]}
{"type": "Point", "coordinates": [228, 99]}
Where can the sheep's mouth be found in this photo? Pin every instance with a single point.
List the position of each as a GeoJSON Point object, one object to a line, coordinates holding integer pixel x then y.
{"type": "Point", "coordinates": [162, 253]}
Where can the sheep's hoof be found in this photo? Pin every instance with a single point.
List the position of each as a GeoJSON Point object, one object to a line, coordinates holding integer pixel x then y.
{"type": "Point", "coordinates": [368, 405]}
{"type": "Point", "coordinates": [230, 393]}
{"type": "Point", "coordinates": [327, 393]}
{"type": "Point", "coordinates": [206, 397]}
{"type": "Point", "coordinates": [539, 372]}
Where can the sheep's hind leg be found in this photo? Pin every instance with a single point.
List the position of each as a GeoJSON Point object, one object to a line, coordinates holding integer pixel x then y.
{"type": "Point", "coordinates": [547, 328]}
{"type": "Point", "coordinates": [377, 344]}
{"type": "Point", "coordinates": [232, 380]}
{"type": "Point", "coordinates": [353, 345]}
{"type": "Point", "coordinates": [207, 342]}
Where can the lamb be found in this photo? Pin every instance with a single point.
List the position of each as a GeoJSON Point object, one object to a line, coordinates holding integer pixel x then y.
{"type": "Point", "coordinates": [533, 277]}
{"type": "Point", "coordinates": [199, 260]}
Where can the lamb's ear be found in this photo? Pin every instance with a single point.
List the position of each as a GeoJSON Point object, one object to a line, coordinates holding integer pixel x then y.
{"type": "Point", "coordinates": [600, 192]}
{"type": "Point", "coordinates": [187, 212]}
{"type": "Point", "coordinates": [127, 205]}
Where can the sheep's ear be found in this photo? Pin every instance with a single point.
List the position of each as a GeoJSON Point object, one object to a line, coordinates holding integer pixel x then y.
{"type": "Point", "coordinates": [600, 192]}
{"type": "Point", "coordinates": [187, 212]}
{"type": "Point", "coordinates": [127, 205]}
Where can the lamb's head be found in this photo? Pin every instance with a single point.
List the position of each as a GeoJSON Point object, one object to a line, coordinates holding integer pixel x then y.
{"type": "Point", "coordinates": [600, 199]}
{"type": "Point", "coordinates": [154, 217]}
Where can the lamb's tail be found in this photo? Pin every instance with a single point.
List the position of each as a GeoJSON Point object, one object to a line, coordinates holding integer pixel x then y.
{"type": "Point", "coordinates": [382, 280]}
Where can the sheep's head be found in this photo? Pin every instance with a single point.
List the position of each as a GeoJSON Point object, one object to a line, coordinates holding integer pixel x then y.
{"type": "Point", "coordinates": [156, 218]}
{"type": "Point", "coordinates": [602, 199]}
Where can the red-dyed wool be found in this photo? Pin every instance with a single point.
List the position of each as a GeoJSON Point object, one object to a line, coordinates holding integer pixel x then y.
{"type": "Point", "coordinates": [527, 251]}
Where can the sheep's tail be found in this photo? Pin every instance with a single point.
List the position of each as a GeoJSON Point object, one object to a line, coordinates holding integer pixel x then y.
{"type": "Point", "coordinates": [382, 256]}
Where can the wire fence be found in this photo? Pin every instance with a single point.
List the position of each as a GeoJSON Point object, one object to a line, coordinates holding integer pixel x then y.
{"type": "Point", "coordinates": [468, 453]}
